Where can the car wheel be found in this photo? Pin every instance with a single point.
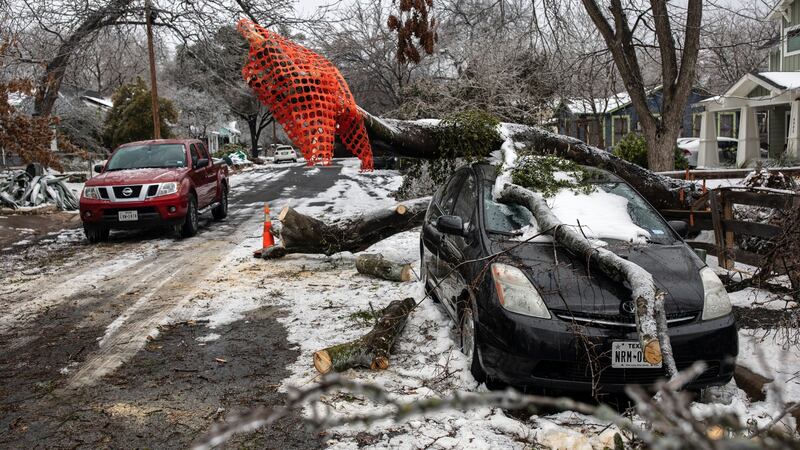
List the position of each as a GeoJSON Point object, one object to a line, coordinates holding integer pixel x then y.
{"type": "Point", "coordinates": [220, 211]}
{"type": "Point", "coordinates": [96, 233]}
{"type": "Point", "coordinates": [423, 274]}
{"type": "Point", "coordinates": [190, 223]}
{"type": "Point", "coordinates": [469, 344]}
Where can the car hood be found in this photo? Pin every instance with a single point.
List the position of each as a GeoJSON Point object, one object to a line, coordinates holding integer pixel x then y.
{"type": "Point", "coordinates": [569, 287]}
{"type": "Point", "coordinates": [137, 176]}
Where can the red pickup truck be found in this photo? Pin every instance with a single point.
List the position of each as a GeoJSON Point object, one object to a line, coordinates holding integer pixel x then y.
{"type": "Point", "coordinates": [154, 183]}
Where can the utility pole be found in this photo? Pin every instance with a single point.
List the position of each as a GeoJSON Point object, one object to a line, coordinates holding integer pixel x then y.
{"type": "Point", "coordinates": [149, 16]}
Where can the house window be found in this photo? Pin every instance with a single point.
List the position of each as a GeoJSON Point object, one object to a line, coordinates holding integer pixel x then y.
{"type": "Point", "coordinates": [726, 125]}
{"type": "Point", "coordinates": [791, 41]}
{"type": "Point", "coordinates": [620, 125]}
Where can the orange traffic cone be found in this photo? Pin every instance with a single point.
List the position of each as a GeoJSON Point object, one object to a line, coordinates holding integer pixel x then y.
{"type": "Point", "coordinates": [267, 240]}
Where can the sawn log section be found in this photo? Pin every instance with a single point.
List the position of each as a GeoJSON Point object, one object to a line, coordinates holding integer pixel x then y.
{"type": "Point", "coordinates": [371, 350]}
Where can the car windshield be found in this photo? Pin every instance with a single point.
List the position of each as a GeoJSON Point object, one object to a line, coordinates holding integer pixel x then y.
{"type": "Point", "coordinates": [613, 211]}
{"type": "Point", "coordinates": [148, 156]}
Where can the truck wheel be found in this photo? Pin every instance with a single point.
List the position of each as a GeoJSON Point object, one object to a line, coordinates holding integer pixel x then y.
{"type": "Point", "coordinates": [95, 233]}
{"type": "Point", "coordinates": [190, 223]}
{"type": "Point", "coordinates": [220, 211]}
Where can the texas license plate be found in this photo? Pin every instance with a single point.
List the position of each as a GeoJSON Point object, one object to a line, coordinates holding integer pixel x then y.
{"type": "Point", "coordinates": [628, 355]}
{"type": "Point", "coordinates": [128, 216]}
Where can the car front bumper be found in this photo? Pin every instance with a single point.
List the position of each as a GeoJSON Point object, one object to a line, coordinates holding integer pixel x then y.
{"type": "Point", "coordinates": [559, 355]}
{"type": "Point", "coordinates": [151, 212]}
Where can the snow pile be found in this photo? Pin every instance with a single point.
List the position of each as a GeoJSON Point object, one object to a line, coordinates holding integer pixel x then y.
{"type": "Point", "coordinates": [599, 215]}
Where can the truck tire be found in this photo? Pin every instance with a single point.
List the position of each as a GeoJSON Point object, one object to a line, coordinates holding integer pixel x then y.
{"type": "Point", "coordinates": [220, 211]}
{"type": "Point", "coordinates": [190, 223]}
{"type": "Point", "coordinates": [96, 233]}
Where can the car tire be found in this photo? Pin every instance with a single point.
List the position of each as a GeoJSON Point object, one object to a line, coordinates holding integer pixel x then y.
{"type": "Point", "coordinates": [96, 233]}
{"type": "Point", "coordinates": [469, 344]}
{"type": "Point", "coordinates": [191, 221]}
{"type": "Point", "coordinates": [220, 211]}
{"type": "Point", "coordinates": [423, 274]}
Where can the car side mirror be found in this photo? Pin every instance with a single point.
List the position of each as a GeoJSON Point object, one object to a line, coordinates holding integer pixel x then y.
{"type": "Point", "coordinates": [202, 162]}
{"type": "Point", "coordinates": [680, 227]}
{"type": "Point", "coordinates": [450, 225]}
{"type": "Point", "coordinates": [98, 168]}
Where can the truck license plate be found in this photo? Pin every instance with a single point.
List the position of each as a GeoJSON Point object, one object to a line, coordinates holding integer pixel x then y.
{"type": "Point", "coordinates": [628, 355]}
{"type": "Point", "coordinates": [128, 216]}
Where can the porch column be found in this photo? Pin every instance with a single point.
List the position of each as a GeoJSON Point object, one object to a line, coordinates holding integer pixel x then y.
{"type": "Point", "coordinates": [748, 137]}
{"type": "Point", "coordinates": [793, 141]}
{"type": "Point", "coordinates": [707, 154]}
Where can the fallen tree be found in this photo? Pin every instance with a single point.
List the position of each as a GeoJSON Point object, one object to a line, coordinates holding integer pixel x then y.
{"type": "Point", "coordinates": [372, 350]}
{"type": "Point", "coordinates": [420, 140]}
{"type": "Point", "coordinates": [300, 233]}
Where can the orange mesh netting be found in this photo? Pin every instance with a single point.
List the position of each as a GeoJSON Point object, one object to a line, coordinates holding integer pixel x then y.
{"type": "Point", "coordinates": [306, 94]}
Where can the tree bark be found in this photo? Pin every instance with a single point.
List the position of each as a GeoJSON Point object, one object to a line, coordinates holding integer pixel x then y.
{"type": "Point", "coordinates": [373, 349]}
{"type": "Point", "coordinates": [376, 266]}
{"type": "Point", "coordinates": [651, 322]}
{"type": "Point", "coordinates": [300, 233]}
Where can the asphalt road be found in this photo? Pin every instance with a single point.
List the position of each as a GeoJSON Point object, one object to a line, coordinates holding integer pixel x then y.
{"type": "Point", "coordinates": [78, 368]}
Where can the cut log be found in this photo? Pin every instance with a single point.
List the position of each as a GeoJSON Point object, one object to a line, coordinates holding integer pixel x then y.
{"type": "Point", "coordinates": [377, 266]}
{"type": "Point", "coordinates": [651, 321]}
{"type": "Point", "coordinates": [300, 233]}
{"type": "Point", "coordinates": [751, 383]}
{"type": "Point", "coordinates": [373, 349]}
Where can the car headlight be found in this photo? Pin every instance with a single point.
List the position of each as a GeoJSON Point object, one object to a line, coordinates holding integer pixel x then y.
{"type": "Point", "coordinates": [516, 293]}
{"type": "Point", "coordinates": [91, 192]}
{"type": "Point", "coordinates": [715, 299]}
{"type": "Point", "coordinates": [167, 188]}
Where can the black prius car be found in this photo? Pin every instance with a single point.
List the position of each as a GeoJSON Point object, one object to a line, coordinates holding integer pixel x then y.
{"type": "Point", "coordinates": [531, 314]}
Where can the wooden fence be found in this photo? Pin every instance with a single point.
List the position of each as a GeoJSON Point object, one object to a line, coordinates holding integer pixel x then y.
{"type": "Point", "coordinates": [714, 211]}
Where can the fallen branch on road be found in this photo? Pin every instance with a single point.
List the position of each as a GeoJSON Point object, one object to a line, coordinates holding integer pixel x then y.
{"type": "Point", "coordinates": [300, 233]}
{"type": "Point", "coordinates": [378, 266]}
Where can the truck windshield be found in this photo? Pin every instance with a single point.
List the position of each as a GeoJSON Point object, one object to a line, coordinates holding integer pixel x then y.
{"type": "Point", "coordinates": [148, 156]}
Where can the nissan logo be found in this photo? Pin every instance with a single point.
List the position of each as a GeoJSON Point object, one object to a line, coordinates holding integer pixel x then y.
{"type": "Point", "coordinates": [629, 307]}
{"type": "Point", "coordinates": [127, 192]}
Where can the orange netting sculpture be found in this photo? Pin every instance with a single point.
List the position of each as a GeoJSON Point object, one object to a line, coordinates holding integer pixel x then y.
{"type": "Point", "coordinates": [306, 94]}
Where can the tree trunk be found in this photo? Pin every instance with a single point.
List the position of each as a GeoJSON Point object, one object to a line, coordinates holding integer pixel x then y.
{"type": "Point", "coordinates": [651, 321]}
{"type": "Point", "coordinates": [300, 233]}
{"type": "Point", "coordinates": [255, 132]}
{"type": "Point", "coordinates": [661, 148]}
{"type": "Point", "coordinates": [377, 266]}
{"type": "Point", "coordinates": [373, 349]}
{"type": "Point", "coordinates": [415, 140]}
{"type": "Point", "coordinates": [50, 83]}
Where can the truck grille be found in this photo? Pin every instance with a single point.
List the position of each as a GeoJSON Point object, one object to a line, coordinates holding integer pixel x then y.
{"type": "Point", "coordinates": [120, 191]}
{"type": "Point", "coordinates": [618, 320]}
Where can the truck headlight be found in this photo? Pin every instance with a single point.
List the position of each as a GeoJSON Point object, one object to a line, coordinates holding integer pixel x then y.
{"type": "Point", "coordinates": [167, 188]}
{"type": "Point", "coordinates": [91, 192]}
{"type": "Point", "coordinates": [715, 299]}
{"type": "Point", "coordinates": [516, 293]}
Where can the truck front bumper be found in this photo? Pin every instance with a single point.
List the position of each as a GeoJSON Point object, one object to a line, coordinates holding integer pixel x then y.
{"type": "Point", "coordinates": [151, 212]}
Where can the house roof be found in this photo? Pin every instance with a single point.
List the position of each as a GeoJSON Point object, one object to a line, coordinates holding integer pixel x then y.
{"type": "Point", "coordinates": [781, 80]}
{"type": "Point", "coordinates": [601, 105]}
{"type": "Point", "coordinates": [781, 9]}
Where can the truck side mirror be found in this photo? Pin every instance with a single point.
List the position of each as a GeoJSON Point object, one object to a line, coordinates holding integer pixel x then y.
{"type": "Point", "coordinates": [202, 162]}
{"type": "Point", "coordinates": [98, 168]}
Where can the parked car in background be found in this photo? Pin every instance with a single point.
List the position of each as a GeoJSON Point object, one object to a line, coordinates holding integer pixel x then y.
{"type": "Point", "coordinates": [727, 147]}
{"type": "Point", "coordinates": [154, 183]}
{"type": "Point", "coordinates": [285, 153]}
{"type": "Point", "coordinates": [526, 309]}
